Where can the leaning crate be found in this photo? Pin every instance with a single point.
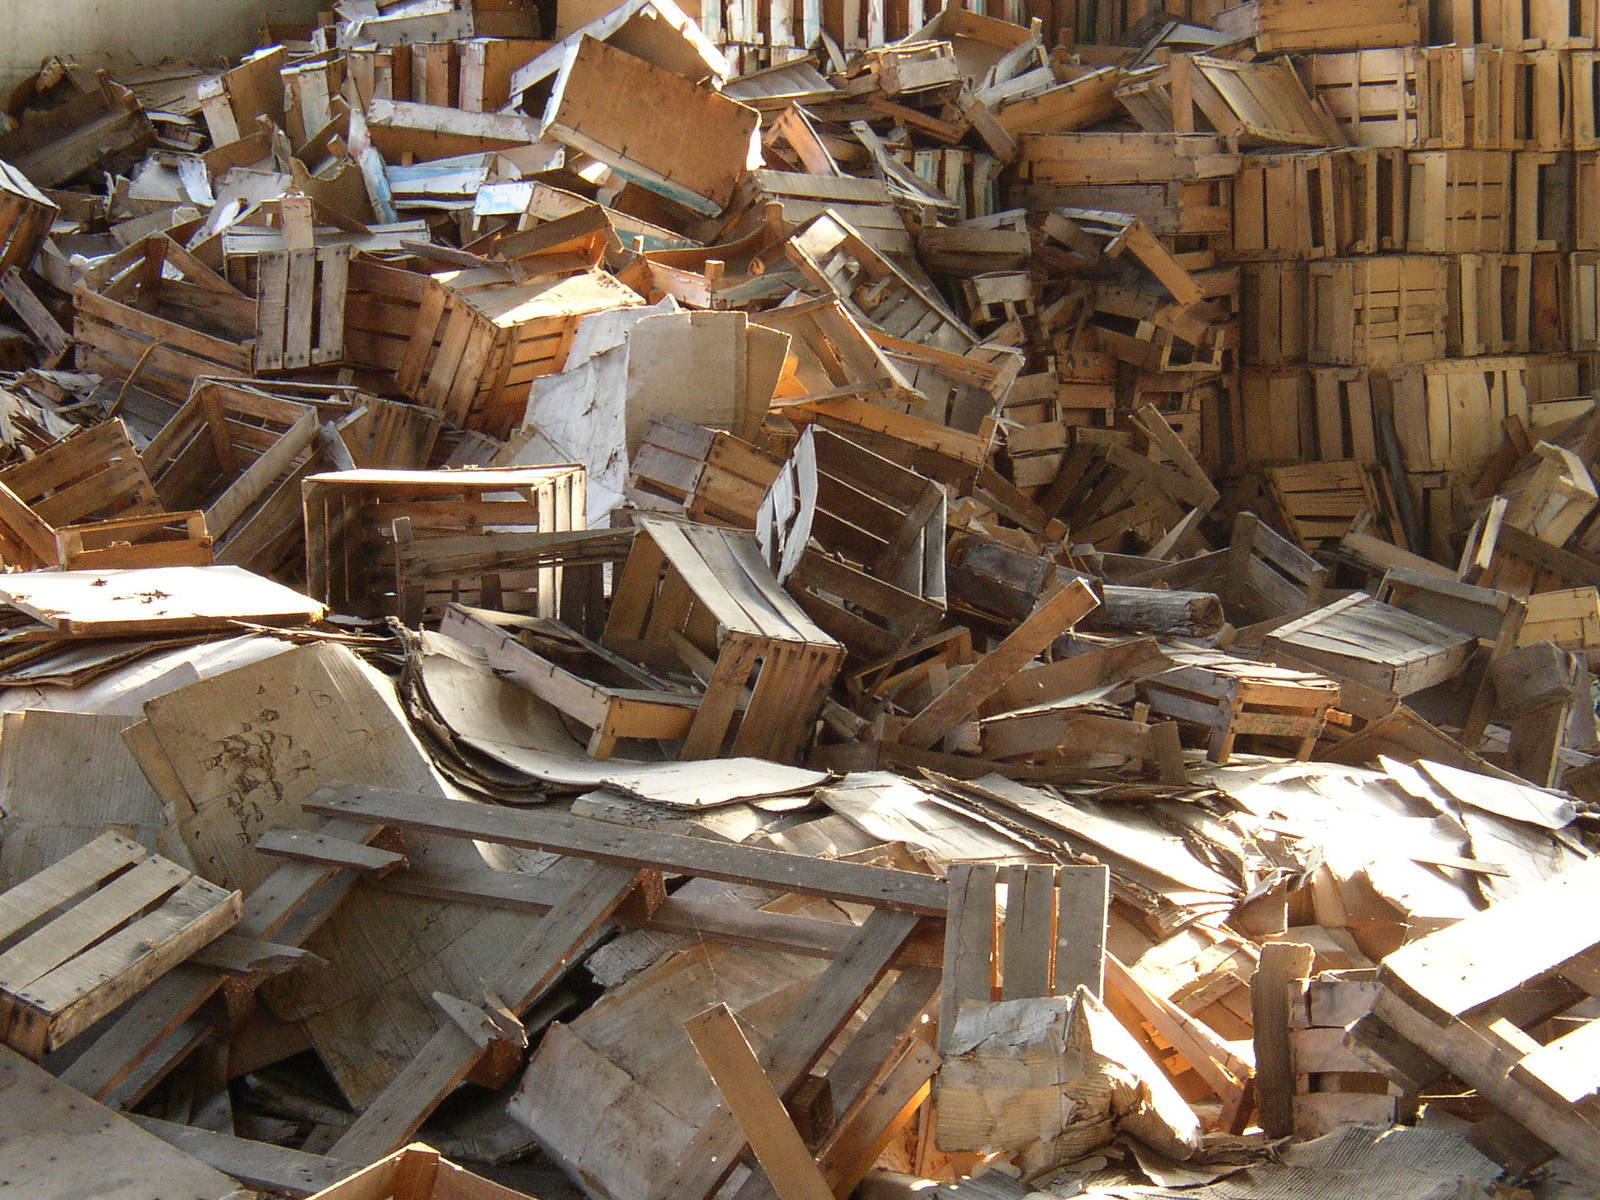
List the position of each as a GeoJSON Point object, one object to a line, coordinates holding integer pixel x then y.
{"type": "Point", "coordinates": [26, 214]}
{"type": "Point", "coordinates": [1235, 697]}
{"type": "Point", "coordinates": [482, 338]}
{"type": "Point", "coordinates": [134, 321]}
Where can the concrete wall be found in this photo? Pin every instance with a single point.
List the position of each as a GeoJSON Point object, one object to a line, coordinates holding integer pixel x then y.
{"type": "Point", "coordinates": [148, 30]}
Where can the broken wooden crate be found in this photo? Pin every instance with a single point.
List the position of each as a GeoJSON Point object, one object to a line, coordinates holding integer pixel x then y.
{"type": "Point", "coordinates": [615, 699]}
{"type": "Point", "coordinates": [136, 323]}
{"type": "Point", "coordinates": [1234, 697]}
{"type": "Point", "coordinates": [93, 930]}
{"type": "Point", "coordinates": [482, 336]}
{"type": "Point", "coordinates": [26, 214]}
{"type": "Point", "coordinates": [701, 597]}
{"type": "Point", "coordinates": [1319, 501]}
{"type": "Point", "coordinates": [1477, 1001]}
{"type": "Point", "coordinates": [858, 539]}
{"type": "Point", "coordinates": [354, 521]}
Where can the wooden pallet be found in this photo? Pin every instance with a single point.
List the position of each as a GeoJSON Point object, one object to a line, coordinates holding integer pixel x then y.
{"type": "Point", "coordinates": [351, 536]}
{"type": "Point", "coordinates": [129, 917]}
{"type": "Point", "coordinates": [702, 597]}
{"type": "Point", "coordinates": [1235, 697]}
{"type": "Point", "coordinates": [1476, 1001]}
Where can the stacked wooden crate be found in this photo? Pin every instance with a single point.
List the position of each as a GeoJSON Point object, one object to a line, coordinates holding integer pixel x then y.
{"type": "Point", "coordinates": [1439, 275]}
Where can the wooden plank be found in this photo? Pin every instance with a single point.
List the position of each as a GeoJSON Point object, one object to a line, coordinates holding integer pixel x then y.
{"type": "Point", "coordinates": [1282, 964]}
{"type": "Point", "coordinates": [796, 1045]}
{"type": "Point", "coordinates": [756, 1105]}
{"type": "Point", "coordinates": [968, 942]}
{"type": "Point", "coordinates": [601, 841]}
{"type": "Point", "coordinates": [1048, 621]}
{"type": "Point", "coordinates": [1083, 895]}
{"type": "Point", "coordinates": [59, 883]}
{"type": "Point", "coordinates": [451, 1054]}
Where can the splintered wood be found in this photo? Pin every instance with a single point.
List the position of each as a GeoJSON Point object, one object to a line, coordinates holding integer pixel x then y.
{"type": "Point", "coordinates": [784, 601]}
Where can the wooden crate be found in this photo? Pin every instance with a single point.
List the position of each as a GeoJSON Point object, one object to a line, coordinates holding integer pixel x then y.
{"type": "Point", "coordinates": [1457, 1003]}
{"type": "Point", "coordinates": [1585, 100]}
{"type": "Point", "coordinates": [1553, 24]}
{"type": "Point", "coordinates": [613, 698]}
{"type": "Point", "coordinates": [859, 541]}
{"type": "Point", "coordinates": [350, 524]}
{"type": "Point", "coordinates": [1318, 502]}
{"type": "Point", "coordinates": [1369, 200]}
{"type": "Point", "coordinates": [1583, 308]}
{"type": "Point", "coordinates": [1235, 697]}
{"type": "Point", "coordinates": [300, 297]}
{"type": "Point", "coordinates": [1341, 399]}
{"type": "Point", "coordinates": [1283, 207]}
{"type": "Point", "coordinates": [1376, 644]}
{"type": "Point", "coordinates": [1321, 1084]}
{"type": "Point", "coordinates": [1448, 415]}
{"type": "Point", "coordinates": [1283, 25]}
{"type": "Point", "coordinates": [1373, 92]}
{"type": "Point", "coordinates": [1490, 304]}
{"type": "Point", "coordinates": [134, 322]}
{"type": "Point", "coordinates": [177, 539]}
{"type": "Point", "coordinates": [702, 596]}
{"type": "Point", "coordinates": [26, 214]}
{"type": "Point", "coordinates": [381, 307]}
{"type": "Point", "coordinates": [1272, 402]}
{"type": "Point", "coordinates": [1272, 313]}
{"type": "Point", "coordinates": [1567, 617]}
{"type": "Point", "coordinates": [1548, 203]}
{"type": "Point", "coordinates": [418, 1172]}
{"type": "Point", "coordinates": [229, 447]}
{"type": "Point", "coordinates": [94, 474]}
{"type": "Point", "coordinates": [1376, 311]}
{"type": "Point", "coordinates": [481, 338]}
{"type": "Point", "coordinates": [130, 917]}
{"type": "Point", "coordinates": [705, 474]}
{"type": "Point", "coordinates": [1585, 206]}
{"type": "Point", "coordinates": [1458, 201]}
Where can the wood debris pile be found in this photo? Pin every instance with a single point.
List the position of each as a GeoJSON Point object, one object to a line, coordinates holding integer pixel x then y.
{"type": "Point", "coordinates": [794, 602]}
